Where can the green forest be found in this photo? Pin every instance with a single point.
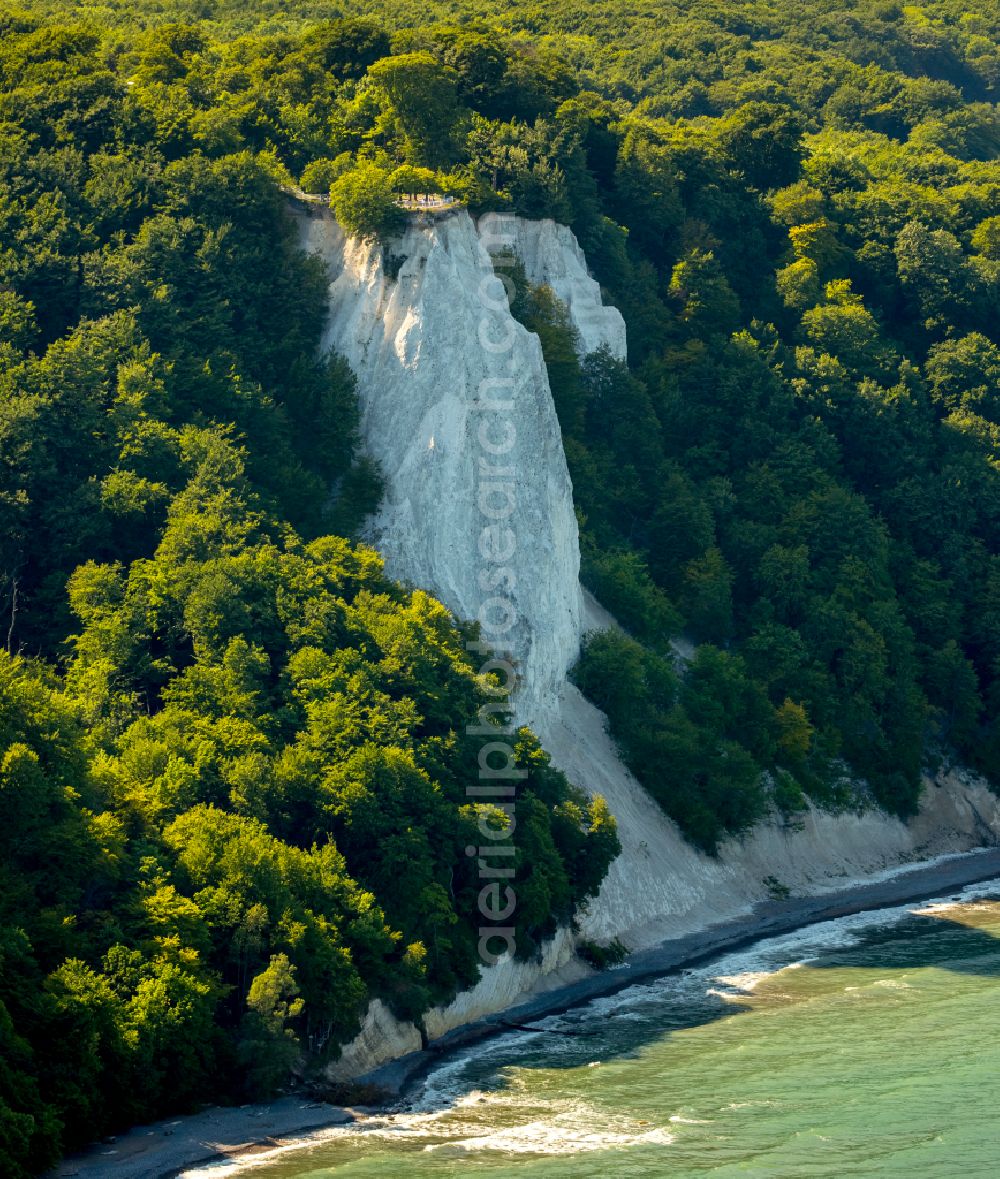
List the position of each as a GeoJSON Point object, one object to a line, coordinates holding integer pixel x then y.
{"type": "Point", "coordinates": [214, 705]}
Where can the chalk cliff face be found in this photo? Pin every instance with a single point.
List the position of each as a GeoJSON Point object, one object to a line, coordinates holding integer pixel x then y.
{"type": "Point", "coordinates": [382, 1037]}
{"type": "Point", "coordinates": [456, 408]}
{"type": "Point", "coordinates": [662, 887]}
{"type": "Point", "coordinates": [552, 257]}
{"type": "Point", "coordinates": [444, 374]}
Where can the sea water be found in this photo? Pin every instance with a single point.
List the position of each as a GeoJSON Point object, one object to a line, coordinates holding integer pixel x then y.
{"type": "Point", "coordinates": [865, 1046]}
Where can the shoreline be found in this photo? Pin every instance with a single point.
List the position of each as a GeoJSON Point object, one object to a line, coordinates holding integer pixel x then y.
{"type": "Point", "coordinates": [166, 1148]}
{"type": "Point", "coordinates": [218, 1133]}
{"type": "Point", "coordinates": [915, 882]}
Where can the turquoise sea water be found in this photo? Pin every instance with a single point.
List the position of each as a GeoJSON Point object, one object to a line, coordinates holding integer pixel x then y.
{"type": "Point", "coordinates": [867, 1046]}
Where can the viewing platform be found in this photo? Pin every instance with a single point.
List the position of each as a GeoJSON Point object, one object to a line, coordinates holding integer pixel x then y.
{"type": "Point", "coordinates": [417, 203]}
{"type": "Point", "coordinates": [427, 203]}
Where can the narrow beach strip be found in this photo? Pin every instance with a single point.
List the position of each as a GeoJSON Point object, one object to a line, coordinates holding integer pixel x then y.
{"type": "Point", "coordinates": [164, 1148]}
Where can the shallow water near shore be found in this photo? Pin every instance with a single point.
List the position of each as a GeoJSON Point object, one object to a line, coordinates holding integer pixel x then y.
{"type": "Point", "coordinates": [864, 1046]}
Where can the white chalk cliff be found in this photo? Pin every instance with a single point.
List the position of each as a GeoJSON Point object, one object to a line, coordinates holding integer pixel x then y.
{"type": "Point", "coordinates": [431, 347]}
{"type": "Point", "coordinates": [456, 408]}
{"type": "Point", "coordinates": [551, 256]}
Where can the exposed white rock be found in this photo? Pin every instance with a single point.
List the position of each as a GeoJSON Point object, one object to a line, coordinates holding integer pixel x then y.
{"type": "Point", "coordinates": [552, 257]}
{"type": "Point", "coordinates": [447, 377]}
{"type": "Point", "coordinates": [424, 347]}
{"type": "Point", "coordinates": [660, 886]}
{"type": "Point", "coordinates": [502, 985]}
{"type": "Point", "coordinates": [382, 1037]}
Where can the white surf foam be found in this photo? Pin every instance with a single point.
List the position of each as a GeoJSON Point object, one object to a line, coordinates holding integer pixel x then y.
{"type": "Point", "coordinates": [442, 1110]}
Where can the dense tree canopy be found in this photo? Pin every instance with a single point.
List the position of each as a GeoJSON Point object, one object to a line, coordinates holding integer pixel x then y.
{"type": "Point", "coordinates": [234, 756]}
{"type": "Point", "coordinates": [212, 709]}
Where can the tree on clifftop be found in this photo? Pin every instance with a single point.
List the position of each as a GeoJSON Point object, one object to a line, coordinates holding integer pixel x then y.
{"type": "Point", "coordinates": [364, 202]}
